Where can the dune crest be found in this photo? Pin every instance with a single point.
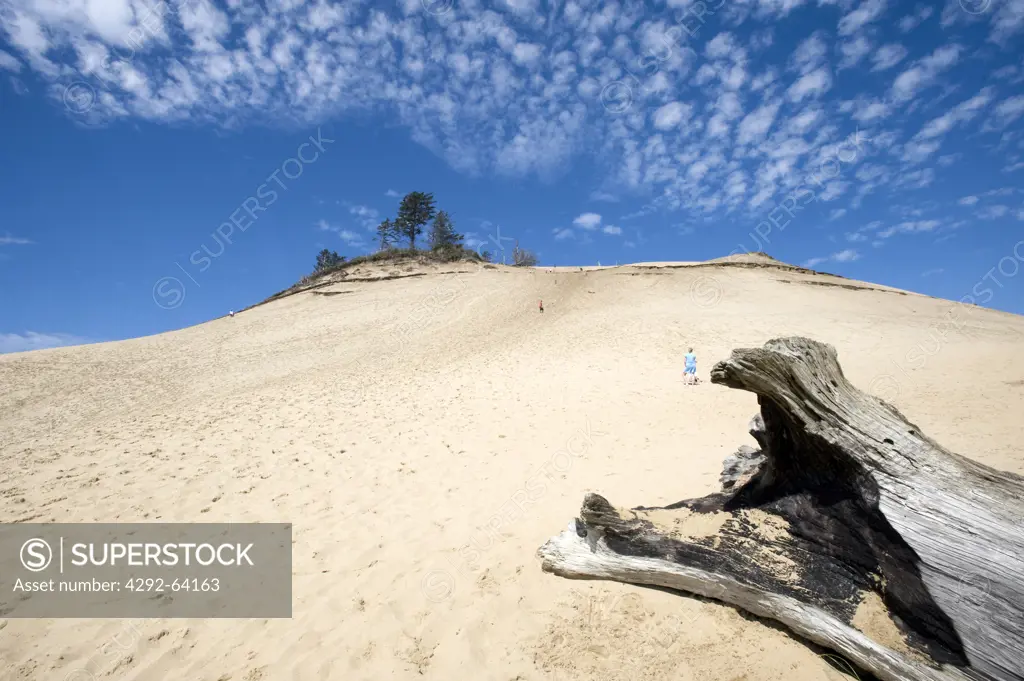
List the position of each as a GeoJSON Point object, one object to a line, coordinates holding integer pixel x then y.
{"type": "Point", "coordinates": [425, 430]}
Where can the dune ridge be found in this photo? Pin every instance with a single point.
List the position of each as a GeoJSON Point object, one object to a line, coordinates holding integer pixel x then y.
{"type": "Point", "coordinates": [427, 429]}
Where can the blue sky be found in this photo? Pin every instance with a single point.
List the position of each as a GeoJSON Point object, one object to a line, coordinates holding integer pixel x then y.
{"type": "Point", "coordinates": [879, 141]}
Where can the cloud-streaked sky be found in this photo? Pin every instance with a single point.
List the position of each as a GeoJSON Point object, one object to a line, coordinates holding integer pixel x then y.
{"type": "Point", "coordinates": [844, 135]}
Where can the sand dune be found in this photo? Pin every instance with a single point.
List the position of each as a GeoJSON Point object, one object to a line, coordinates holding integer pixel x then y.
{"type": "Point", "coordinates": [398, 424]}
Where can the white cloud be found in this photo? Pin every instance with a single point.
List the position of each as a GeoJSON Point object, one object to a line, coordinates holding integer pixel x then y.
{"type": "Point", "coordinates": [993, 212]}
{"type": "Point", "coordinates": [671, 115]}
{"type": "Point", "coordinates": [812, 84]}
{"type": "Point", "coordinates": [915, 179]}
{"type": "Point", "coordinates": [368, 217]}
{"type": "Point", "coordinates": [1009, 73]}
{"type": "Point", "coordinates": [1007, 111]}
{"type": "Point", "coordinates": [527, 54]}
{"type": "Point", "coordinates": [924, 72]}
{"type": "Point", "coordinates": [611, 229]}
{"type": "Point", "coordinates": [587, 221]}
{"type": "Point", "coordinates": [961, 113]}
{"type": "Point", "coordinates": [363, 211]}
{"type": "Point", "coordinates": [599, 195]}
{"type": "Point", "coordinates": [853, 51]}
{"type": "Point", "coordinates": [919, 151]}
{"type": "Point", "coordinates": [937, 126]}
{"type": "Point", "coordinates": [810, 54]}
{"type": "Point", "coordinates": [888, 56]}
{"type": "Point", "coordinates": [1008, 20]}
{"type": "Point", "coordinates": [761, 39]}
{"type": "Point", "coordinates": [909, 227]}
{"type": "Point", "coordinates": [351, 238]}
{"type": "Point", "coordinates": [757, 123]}
{"type": "Point", "coordinates": [861, 234]}
{"type": "Point", "coordinates": [30, 340]}
{"type": "Point", "coordinates": [561, 234]}
{"type": "Point", "coordinates": [847, 255]}
{"type": "Point", "coordinates": [868, 111]}
{"type": "Point", "coordinates": [836, 214]}
{"type": "Point", "coordinates": [521, 6]}
{"type": "Point", "coordinates": [7, 240]}
{"type": "Point", "coordinates": [9, 63]}
{"type": "Point", "coordinates": [866, 12]}
{"type": "Point", "coordinates": [912, 21]}
{"type": "Point", "coordinates": [722, 46]}
{"type": "Point", "coordinates": [392, 194]}
{"type": "Point", "coordinates": [1003, 191]}
{"type": "Point", "coordinates": [968, 201]}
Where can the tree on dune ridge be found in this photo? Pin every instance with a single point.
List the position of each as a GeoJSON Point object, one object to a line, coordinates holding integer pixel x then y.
{"type": "Point", "coordinates": [326, 259]}
{"type": "Point", "coordinates": [387, 234]}
{"type": "Point", "coordinates": [416, 210]}
{"type": "Point", "coordinates": [443, 234]}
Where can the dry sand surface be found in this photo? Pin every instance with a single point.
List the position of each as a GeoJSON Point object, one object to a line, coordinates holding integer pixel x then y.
{"type": "Point", "coordinates": [426, 434]}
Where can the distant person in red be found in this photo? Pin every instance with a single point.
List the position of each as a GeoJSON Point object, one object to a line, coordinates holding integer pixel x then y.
{"type": "Point", "coordinates": [540, 304]}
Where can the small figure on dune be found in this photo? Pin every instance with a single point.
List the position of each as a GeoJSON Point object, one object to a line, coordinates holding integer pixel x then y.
{"type": "Point", "coordinates": [540, 304]}
{"type": "Point", "coordinates": [231, 313]}
{"type": "Point", "coordinates": [690, 370]}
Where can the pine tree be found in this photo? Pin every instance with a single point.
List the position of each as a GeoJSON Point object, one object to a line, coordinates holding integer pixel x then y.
{"type": "Point", "coordinates": [387, 234]}
{"type": "Point", "coordinates": [326, 259]}
{"type": "Point", "coordinates": [443, 235]}
{"type": "Point", "coordinates": [416, 210]}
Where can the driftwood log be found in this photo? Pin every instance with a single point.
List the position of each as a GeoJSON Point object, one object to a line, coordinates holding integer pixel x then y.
{"type": "Point", "coordinates": [848, 525]}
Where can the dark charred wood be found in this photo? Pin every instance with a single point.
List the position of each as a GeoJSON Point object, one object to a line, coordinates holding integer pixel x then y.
{"type": "Point", "coordinates": [741, 467]}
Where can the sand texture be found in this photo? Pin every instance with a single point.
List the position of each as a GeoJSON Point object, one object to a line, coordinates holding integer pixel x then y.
{"type": "Point", "coordinates": [426, 434]}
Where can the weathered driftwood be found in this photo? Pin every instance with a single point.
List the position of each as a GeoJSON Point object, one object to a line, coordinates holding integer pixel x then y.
{"type": "Point", "coordinates": [850, 527]}
{"type": "Point", "coordinates": [747, 461]}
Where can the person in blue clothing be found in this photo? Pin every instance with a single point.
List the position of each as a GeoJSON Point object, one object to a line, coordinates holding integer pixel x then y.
{"type": "Point", "coordinates": [690, 371]}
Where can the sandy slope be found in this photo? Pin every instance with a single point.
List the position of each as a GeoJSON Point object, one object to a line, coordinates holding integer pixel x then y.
{"type": "Point", "coordinates": [397, 423]}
